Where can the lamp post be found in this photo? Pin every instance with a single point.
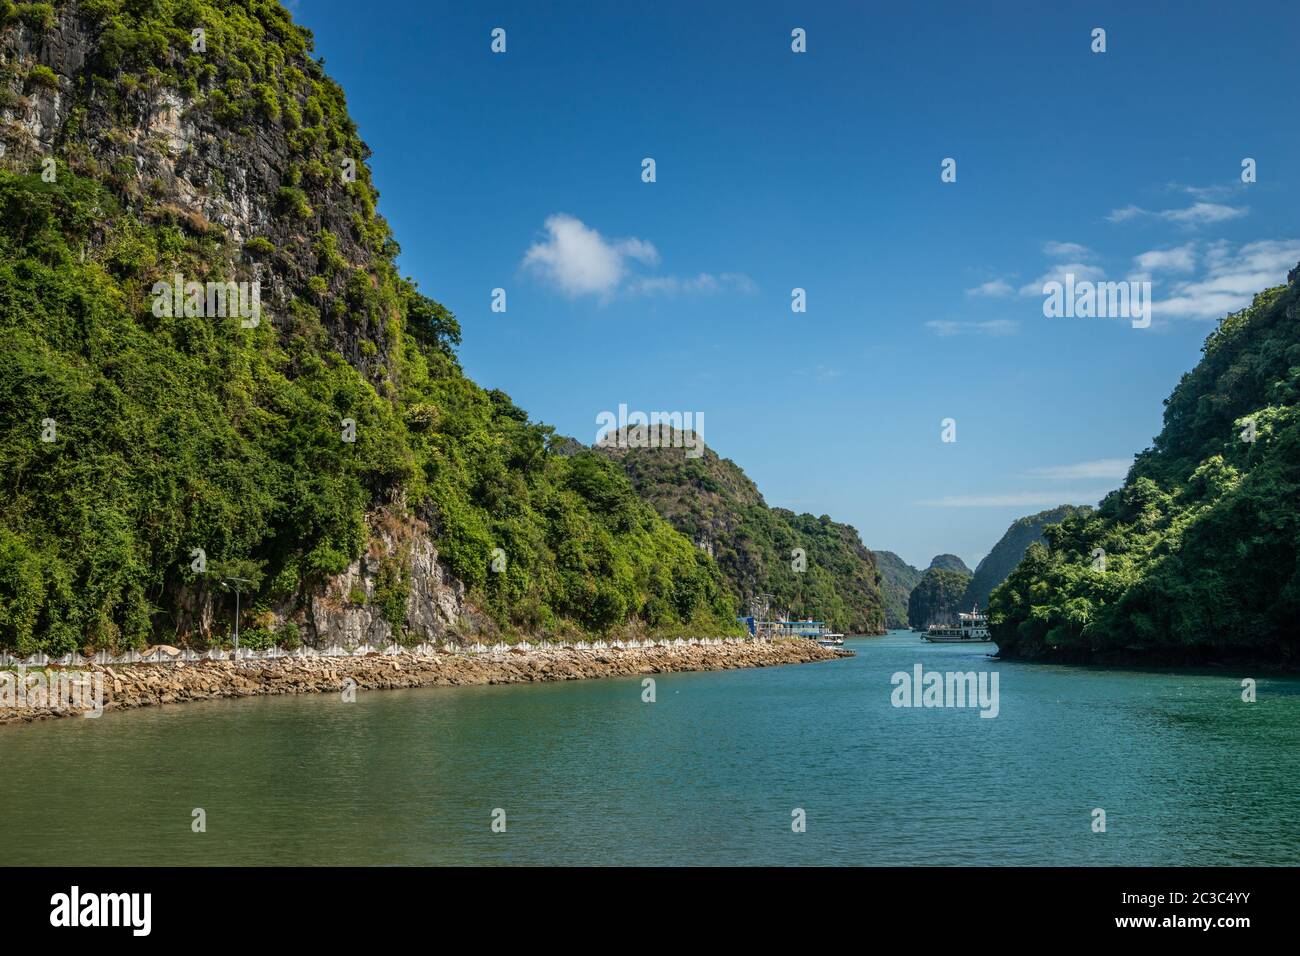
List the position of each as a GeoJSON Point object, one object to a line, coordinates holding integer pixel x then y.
{"type": "Point", "coordinates": [234, 584]}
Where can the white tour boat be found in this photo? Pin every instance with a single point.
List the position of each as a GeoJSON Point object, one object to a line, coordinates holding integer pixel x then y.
{"type": "Point", "coordinates": [971, 627]}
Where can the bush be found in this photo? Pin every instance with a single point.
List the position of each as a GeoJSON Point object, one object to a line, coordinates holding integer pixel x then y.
{"type": "Point", "coordinates": [38, 16]}
{"type": "Point", "coordinates": [259, 246]}
{"type": "Point", "coordinates": [42, 76]}
{"type": "Point", "coordinates": [289, 637]}
{"type": "Point", "coordinates": [293, 200]}
{"type": "Point", "coordinates": [256, 639]}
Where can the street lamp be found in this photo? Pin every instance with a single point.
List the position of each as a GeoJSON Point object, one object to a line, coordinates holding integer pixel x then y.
{"type": "Point", "coordinates": [234, 584]}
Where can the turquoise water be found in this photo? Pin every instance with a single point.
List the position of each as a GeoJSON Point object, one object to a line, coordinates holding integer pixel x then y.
{"type": "Point", "coordinates": [710, 773]}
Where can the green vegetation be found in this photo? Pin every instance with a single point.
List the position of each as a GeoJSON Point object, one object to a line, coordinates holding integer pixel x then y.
{"type": "Point", "coordinates": [936, 599]}
{"type": "Point", "coordinates": [175, 433]}
{"type": "Point", "coordinates": [37, 16]}
{"type": "Point", "coordinates": [1006, 554]}
{"type": "Point", "coordinates": [950, 562]}
{"type": "Point", "coordinates": [711, 501]}
{"type": "Point", "coordinates": [1200, 545]}
{"type": "Point", "coordinates": [44, 77]}
{"type": "Point", "coordinates": [182, 432]}
{"type": "Point", "coordinates": [897, 579]}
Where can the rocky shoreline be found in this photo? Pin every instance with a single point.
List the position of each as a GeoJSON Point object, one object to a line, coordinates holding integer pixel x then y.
{"type": "Point", "coordinates": [148, 685]}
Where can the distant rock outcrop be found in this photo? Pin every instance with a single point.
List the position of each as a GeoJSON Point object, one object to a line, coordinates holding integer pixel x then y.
{"type": "Point", "coordinates": [937, 598]}
{"type": "Point", "coordinates": [949, 562]}
{"type": "Point", "coordinates": [1006, 554]}
{"type": "Point", "coordinates": [897, 579]}
{"type": "Point", "coordinates": [803, 565]}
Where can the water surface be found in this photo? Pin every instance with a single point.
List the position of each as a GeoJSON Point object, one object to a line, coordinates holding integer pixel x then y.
{"type": "Point", "coordinates": [708, 774]}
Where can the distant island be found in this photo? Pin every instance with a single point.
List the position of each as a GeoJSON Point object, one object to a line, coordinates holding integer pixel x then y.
{"type": "Point", "coordinates": [937, 597]}
{"type": "Point", "coordinates": [897, 579]}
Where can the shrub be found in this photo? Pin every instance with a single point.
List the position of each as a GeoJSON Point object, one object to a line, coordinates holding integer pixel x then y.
{"type": "Point", "coordinates": [259, 246]}
{"type": "Point", "coordinates": [38, 16]}
{"type": "Point", "coordinates": [294, 201]}
{"type": "Point", "coordinates": [289, 637]}
{"type": "Point", "coordinates": [42, 76]}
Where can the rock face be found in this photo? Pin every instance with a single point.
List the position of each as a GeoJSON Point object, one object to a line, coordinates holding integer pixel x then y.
{"type": "Point", "coordinates": [146, 685]}
{"type": "Point", "coordinates": [434, 604]}
{"type": "Point", "coordinates": [187, 158]}
{"type": "Point", "coordinates": [172, 157]}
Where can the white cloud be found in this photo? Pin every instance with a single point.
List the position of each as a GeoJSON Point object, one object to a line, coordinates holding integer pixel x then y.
{"type": "Point", "coordinates": [1080, 271]}
{"type": "Point", "coordinates": [993, 289]}
{"type": "Point", "coordinates": [1100, 468]}
{"type": "Point", "coordinates": [1127, 213]}
{"type": "Point", "coordinates": [1231, 279]}
{"type": "Point", "coordinates": [945, 328]}
{"type": "Point", "coordinates": [1028, 499]}
{"type": "Point", "coordinates": [1070, 258]}
{"type": "Point", "coordinates": [581, 261]}
{"type": "Point", "coordinates": [1067, 250]}
{"type": "Point", "coordinates": [704, 282]}
{"type": "Point", "coordinates": [1178, 259]}
{"type": "Point", "coordinates": [1222, 191]}
{"type": "Point", "coordinates": [1204, 212]}
{"type": "Point", "coordinates": [1197, 214]}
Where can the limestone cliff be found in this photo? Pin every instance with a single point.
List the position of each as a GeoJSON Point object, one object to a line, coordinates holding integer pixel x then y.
{"type": "Point", "coordinates": [327, 452]}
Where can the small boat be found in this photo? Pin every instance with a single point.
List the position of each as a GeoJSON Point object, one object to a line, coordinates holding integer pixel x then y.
{"type": "Point", "coordinates": [971, 627]}
{"type": "Point", "coordinates": [818, 631]}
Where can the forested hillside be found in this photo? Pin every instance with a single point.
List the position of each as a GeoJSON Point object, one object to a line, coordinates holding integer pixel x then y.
{"type": "Point", "coordinates": [897, 578]}
{"type": "Point", "coordinates": [1006, 554]}
{"type": "Point", "coordinates": [1197, 556]}
{"type": "Point", "coordinates": [936, 599]}
{"type": "Point", "coordinates": [949, 562]}
{"type": "Point", "coordinates": [328, 451]}
{"type": "Point", "coordinates": [809, 566]}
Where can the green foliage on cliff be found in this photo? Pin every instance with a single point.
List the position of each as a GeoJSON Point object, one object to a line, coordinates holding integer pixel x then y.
{"type": "Point", "coordinates": [897, 579]}
{"type": "Point", "coordinates": [711, 501]}
{"type": "Point", "coordinates": [1006, 554]}
{"type": "Point", "coordinates": [1202, 543]}
{"type": "Point", "coordinates": [949, 562]}
{"type": "Point", "coordinates": [171, 433]}
{"type": "Point", "coordinates": [936, 599]}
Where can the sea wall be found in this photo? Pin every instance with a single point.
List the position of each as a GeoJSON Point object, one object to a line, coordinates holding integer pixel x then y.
{"type": "Point", "coordinates": [146, 685]}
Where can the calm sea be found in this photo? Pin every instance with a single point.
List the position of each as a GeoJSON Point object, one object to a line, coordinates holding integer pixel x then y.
{"type": "Point", "coordinates": [713, 772]}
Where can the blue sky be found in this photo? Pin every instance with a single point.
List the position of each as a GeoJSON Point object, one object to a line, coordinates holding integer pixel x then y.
{"type": "Point", "coordinates": [821, 170]}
